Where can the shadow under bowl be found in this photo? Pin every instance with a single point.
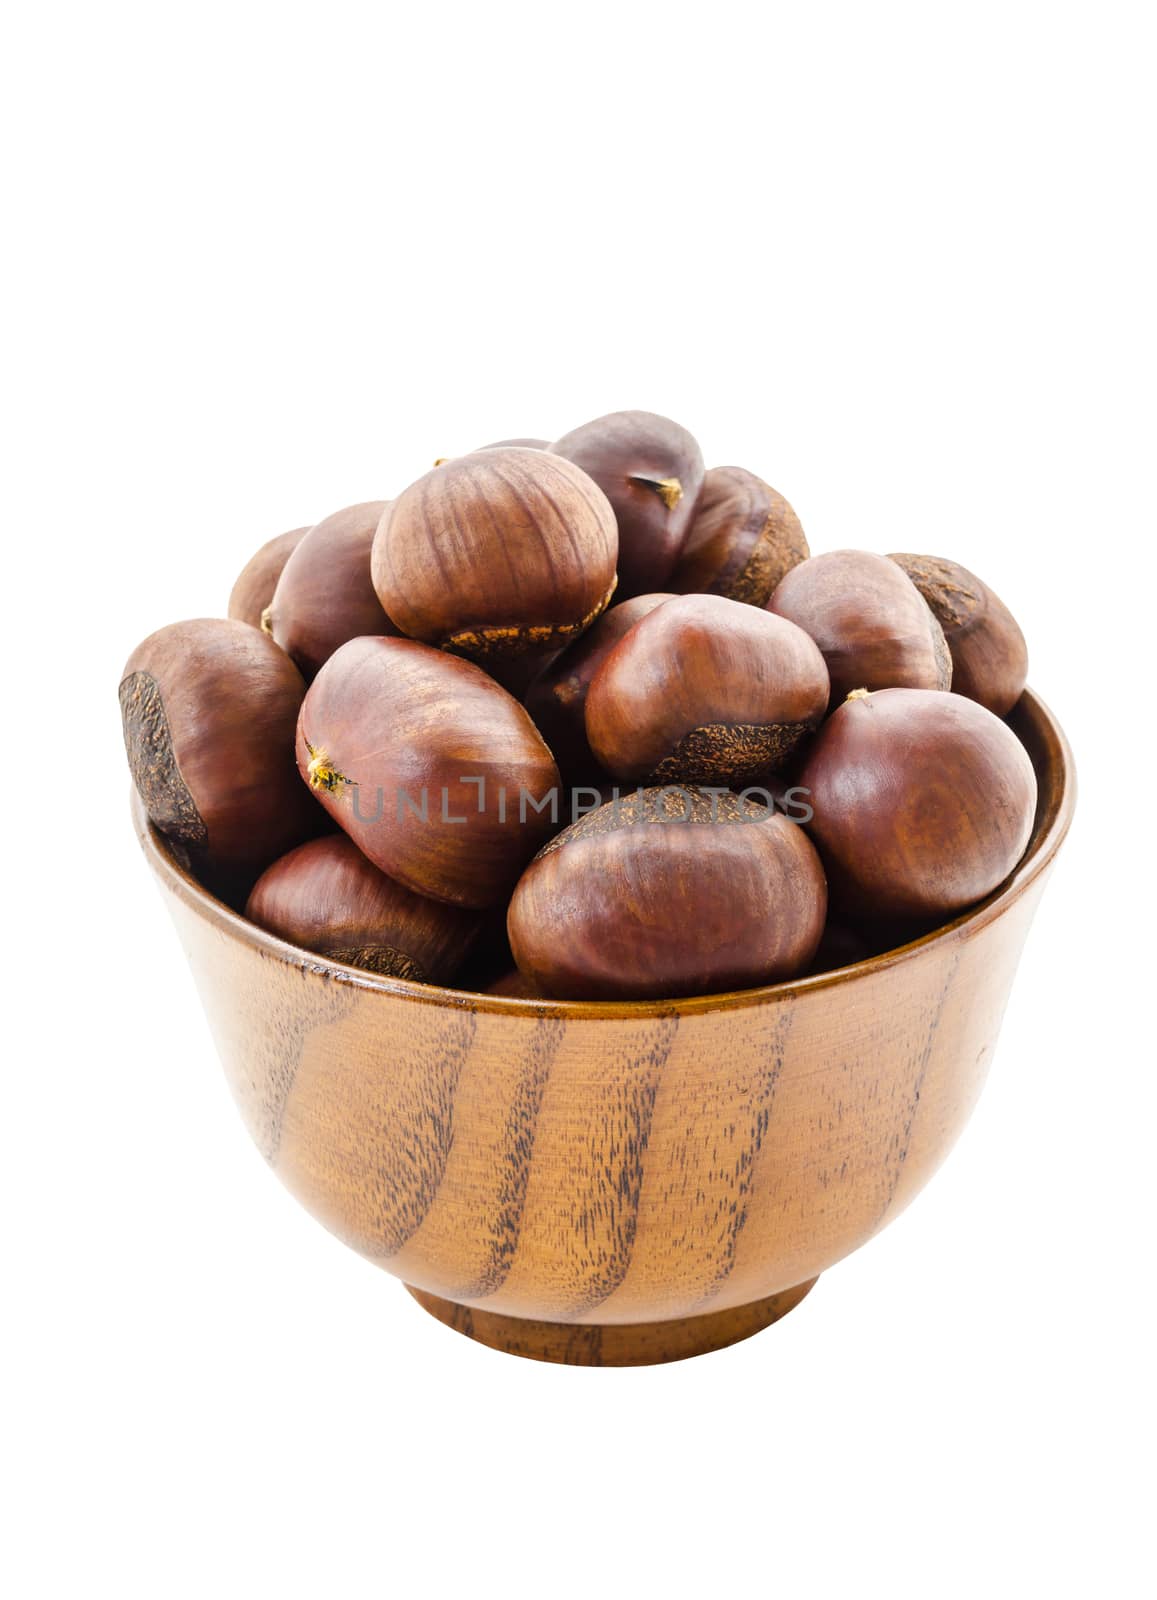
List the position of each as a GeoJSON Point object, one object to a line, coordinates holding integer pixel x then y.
{"type": "Point", "coordinates": [614, 1184]}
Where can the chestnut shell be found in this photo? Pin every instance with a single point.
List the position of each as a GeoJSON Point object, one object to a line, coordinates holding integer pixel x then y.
{"type": "Point", "coordinates": [989, 654]}
{"type": "Point", "coordinates": [325, 595]}
{"type": "Point", "coordinates": [633, 903]}
{"type": "Point", "coordinates": [923, 803]}
{"type": "Point", "coordinates": [744, 538]}
{"type": "Point", "coordinates": [251, 594]}
{"type": "Point", "coordinates": [209, 709]}
{"type": "Point", "coordinates": [705, 690]}
{"type": "Point", "coordinates": [651, 470]}
{"type": "Point", "coordinates": [870, 621]}
{"type": "Point", "coordinates": [500, 554]}
{"type": "Point", "coordinates": [557, 698]}
{"type": "Point", "coordinates": [326, 897]}
{"type": "Point", "coordinates": [411, 750]}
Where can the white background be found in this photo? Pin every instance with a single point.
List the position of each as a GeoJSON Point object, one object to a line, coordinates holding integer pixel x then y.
{"type": "Point", "coordinates": [265, 262]}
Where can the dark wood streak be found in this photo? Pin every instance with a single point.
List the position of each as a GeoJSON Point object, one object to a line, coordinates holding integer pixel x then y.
{"type": "Point", "coordinates": [733, 1205]}
{"type": "Point", "coordinates": [898, 1154]}
{"type": "Point", "coordinates": [622, 1131]}
{"type": "Point", "coordinates": [571, 1343]}
{"type": "Point", "coordinates": [517, 1157]}
{"type": "Point", "coordinates": [421, 1113]}
{"type": "Point", "coordinates": [264, 1081]}
{"type": "Point", "coordinates": [589, 1345]}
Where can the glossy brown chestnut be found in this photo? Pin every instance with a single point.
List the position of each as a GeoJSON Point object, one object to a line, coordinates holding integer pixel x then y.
{"type": "Point", "coordinates": [743, 539]}
{"type": "Point", "coordinates": [922, 802]}
{"type": "Point", "coordinates": [209, 709]}
{"type": "Point", "coordinates": [496, 555]}
{"type": "Point", "coordinates": [326, 897]}
{"type": "Point", "coordinates": [557, 698]}
{"type": "Point", "coordinates": [705, 690]}
{"type": "Point", "coordinates": [436, 773]}
{"type": "Point", "coordinates": [257, 579]}
{"type": "Point", "coordinates": [870, 621]}
{"type": "Point", "coordinates": [325, 595]}
{"type": "Point", "coordinates": [652, 472]}
{"type": "Point", "coordinates": [665, 893]}
{"type": "Point", "coordinates": [989, 655]}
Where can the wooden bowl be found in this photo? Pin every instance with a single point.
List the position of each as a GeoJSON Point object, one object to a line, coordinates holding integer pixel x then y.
{"type": "Point", "coordinates": [615, 1184]}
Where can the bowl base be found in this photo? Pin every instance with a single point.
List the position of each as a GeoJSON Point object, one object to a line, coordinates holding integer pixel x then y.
{"type": "Point", "coordinates": [634, 1344]}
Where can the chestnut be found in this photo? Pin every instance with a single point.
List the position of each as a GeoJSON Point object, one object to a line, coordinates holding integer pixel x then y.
{"type": "Point", "coordinates": [870, 621]}
{"type": "Point", "coordinates": [651, 470]}
{"type": "Point", "coordinates": [209, 709]}
{"type": "Point", "coordinates": [989, 655]}
{"type": "Point", "coordinates": [257, 579]}
{"type": "Point", "coordinates": [705, 690]}
{"type": "Point", "coordinates": [557, 698]}
{"type": "Point", "coordinates": [668, 892]}
{"type": "Point", "coordinates": [326, 897]}
{"type": "Point", "coordinates": [435, 772]}
{"type": "Point", "coordinates": [922, 803]}
{"type": "Point", "coordinates": [325, 595]}
{"type": "Point", "coordinates": [497, 555]}
{"type": "Point", "coordinates": [743, 539]}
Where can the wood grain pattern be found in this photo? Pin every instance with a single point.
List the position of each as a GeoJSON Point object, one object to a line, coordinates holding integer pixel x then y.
{"type": "Point", "coordinates": [615, 1183]}
{"type": "Point", "coordinates": [640, 1344]}
{"type": "Point", "coordinates": [500, 1099]}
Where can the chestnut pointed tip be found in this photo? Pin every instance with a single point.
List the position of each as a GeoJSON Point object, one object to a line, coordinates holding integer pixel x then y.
{"type": "Point", "coordinates": [857, 694]}
{"type": "Point", "coordinates": [267, 620]}
{"type": "Point", "coordinates": [669, 490]}
{"type": "Point", "coordinates": [321, 773]}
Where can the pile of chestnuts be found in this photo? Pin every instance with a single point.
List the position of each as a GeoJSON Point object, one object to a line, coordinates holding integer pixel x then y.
{"type": "Point", "coordinates": [583, 721]}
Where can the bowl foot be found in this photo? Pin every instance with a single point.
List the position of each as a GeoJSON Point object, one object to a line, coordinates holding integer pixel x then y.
{"type": "Point", "coordinates": [635, 1344]}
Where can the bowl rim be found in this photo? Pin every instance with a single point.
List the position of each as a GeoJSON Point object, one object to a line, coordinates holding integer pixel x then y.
{"type": "Point", "coordinates": [1056, 804]}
